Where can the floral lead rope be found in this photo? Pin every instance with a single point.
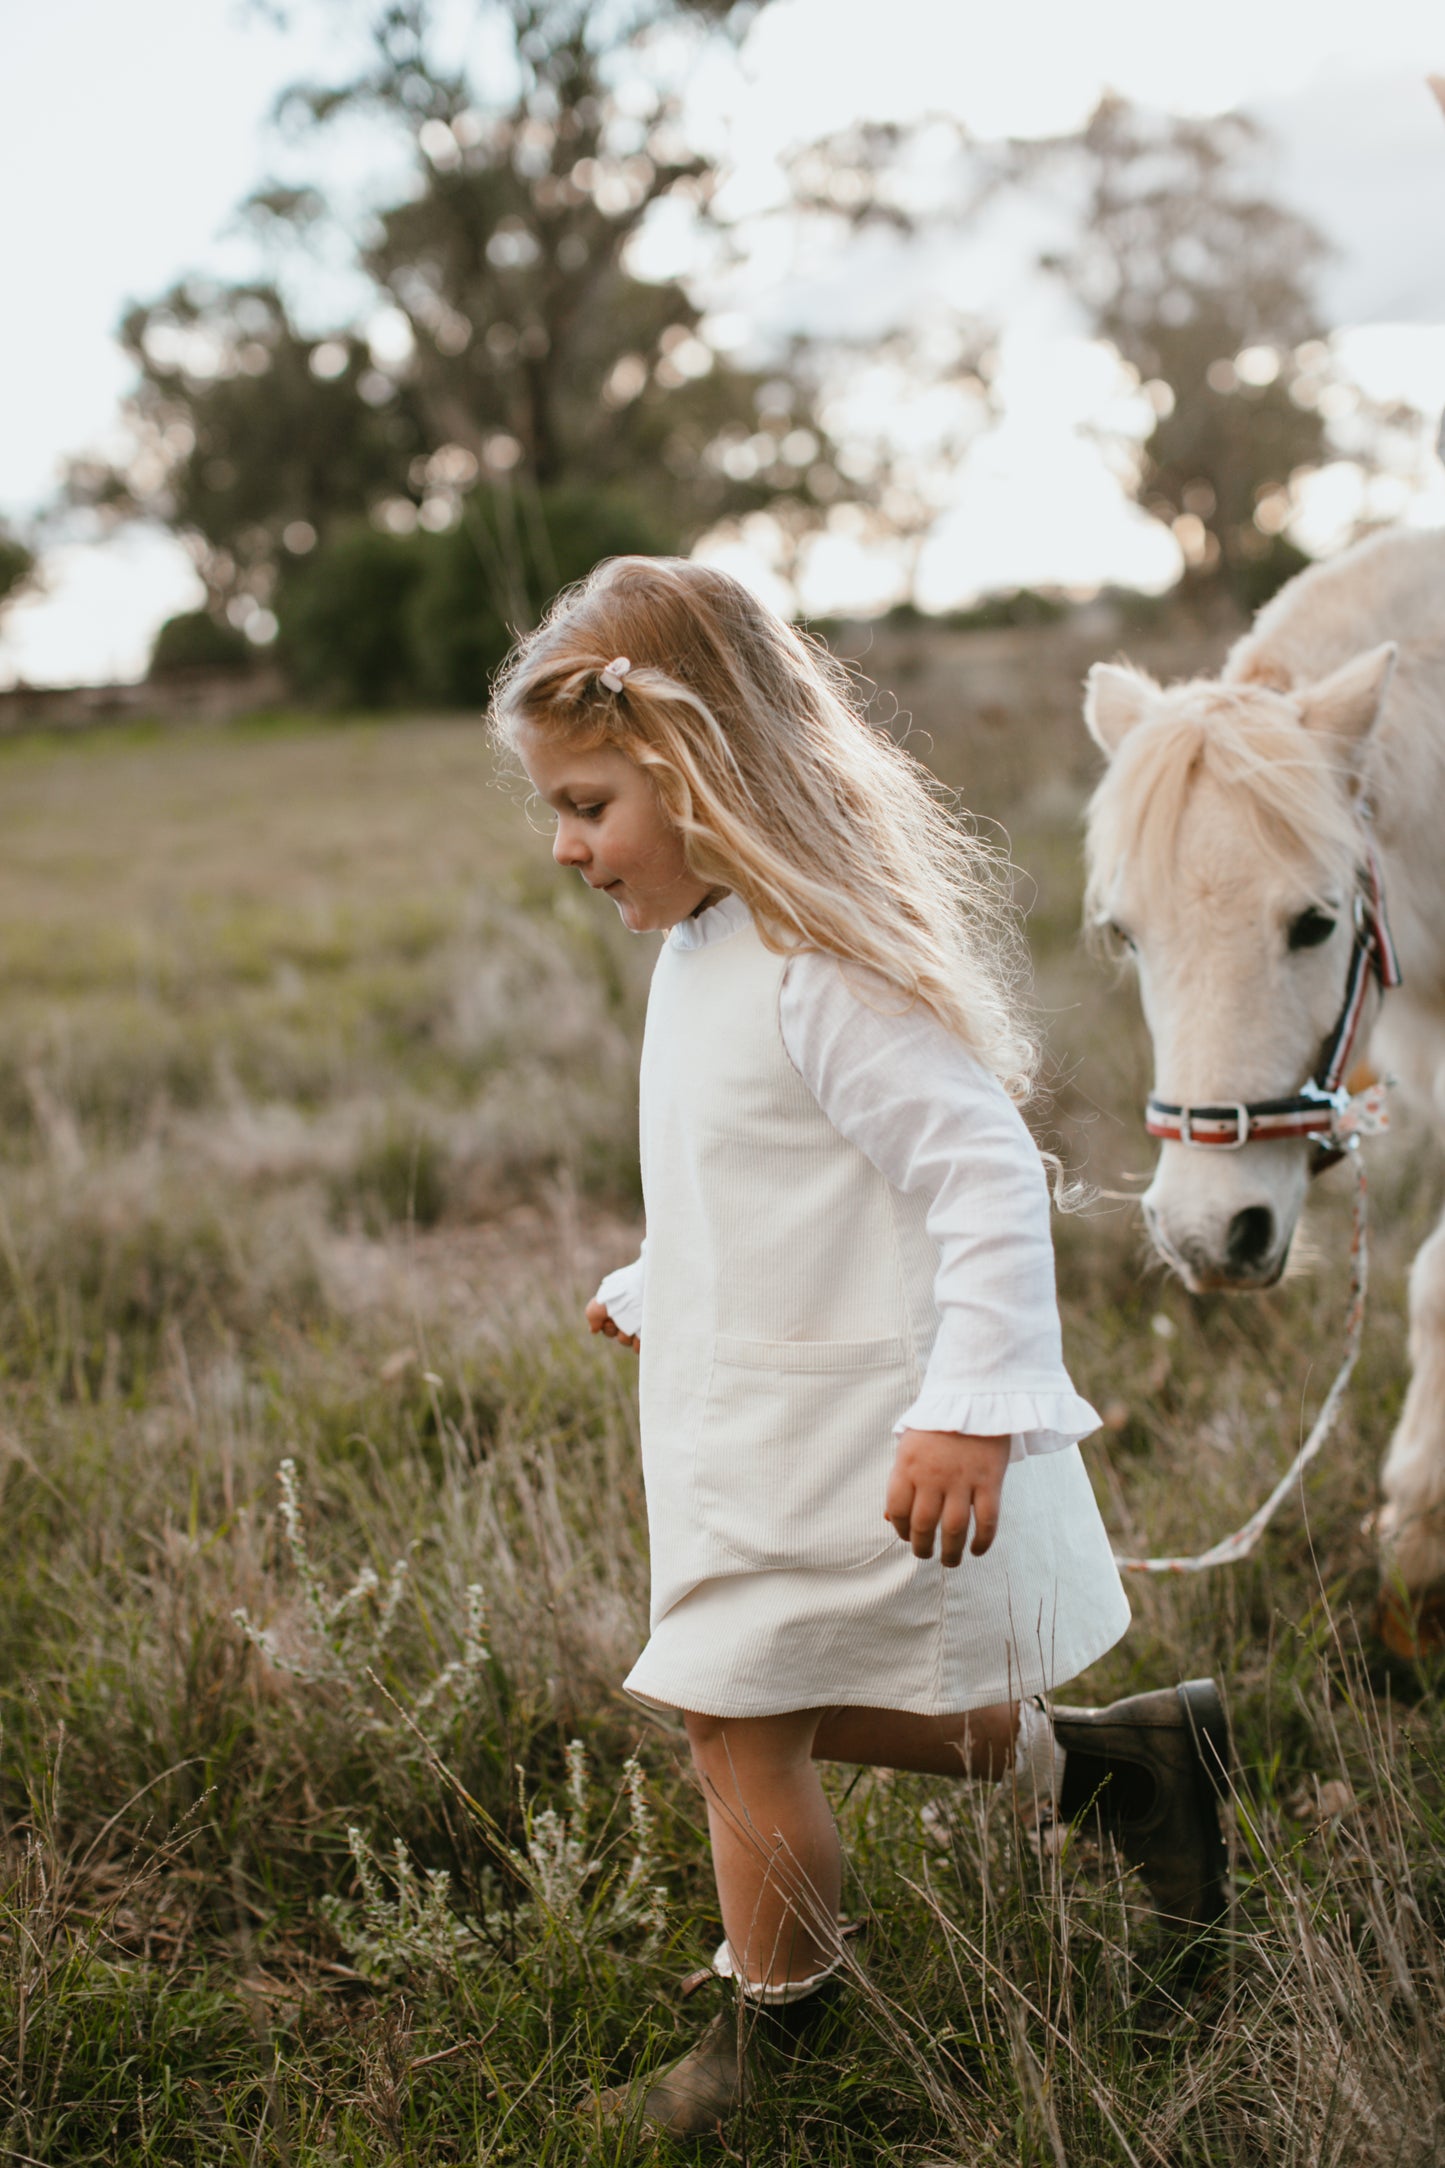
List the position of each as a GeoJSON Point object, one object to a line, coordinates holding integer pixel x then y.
{"type": "Point", "coordinates": [1365, 1115]}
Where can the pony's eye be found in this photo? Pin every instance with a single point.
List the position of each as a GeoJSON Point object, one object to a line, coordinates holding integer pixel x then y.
{"type": "Point", "coordinates": [1310, 928]}
{"type": "Point", "coordinates": [1116, 933]}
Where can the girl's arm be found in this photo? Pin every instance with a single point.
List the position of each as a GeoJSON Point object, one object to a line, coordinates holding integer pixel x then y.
{"type": "Point", "coordinates": [931, 1118]}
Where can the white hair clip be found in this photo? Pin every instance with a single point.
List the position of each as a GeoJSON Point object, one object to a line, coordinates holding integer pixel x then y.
{"type": "Point", "coordinates": [615, 672]}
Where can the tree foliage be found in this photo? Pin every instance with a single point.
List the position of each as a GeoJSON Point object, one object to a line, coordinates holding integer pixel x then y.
{"type": "Point", "coordinates": [251, 438]}
{"type": "Point", "coordinates": [378, 617]}
{"type": "Point", "coordinates": [1203, 285]}
{"type": "Point", "coordinates": [195, 640]}
{"type": "Point", "coordinates": [533, 342]}
{"type": "Point", "coordinates": [514, 383]}
{"type": "Point", "coordinates": [17, 567]}
{"type": "Point", "coordinates": [537, 368]}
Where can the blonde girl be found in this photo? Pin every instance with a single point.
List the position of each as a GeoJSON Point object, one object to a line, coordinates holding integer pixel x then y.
{"type": "Point", "coordinates": [845, 1308]}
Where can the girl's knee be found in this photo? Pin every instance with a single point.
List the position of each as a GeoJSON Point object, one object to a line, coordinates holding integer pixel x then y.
{"type": "Point", "coordinates": [751, 1742]}
{"type": "Point", "coordinates": [704, 1734]}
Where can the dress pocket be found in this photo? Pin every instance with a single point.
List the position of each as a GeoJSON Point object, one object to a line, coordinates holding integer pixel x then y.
{"type": "Point", "coordinates": [795, 1446]}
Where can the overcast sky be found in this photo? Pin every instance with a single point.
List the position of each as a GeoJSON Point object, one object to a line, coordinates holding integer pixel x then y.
{"type": "Point", "coordinates": [129, 133]}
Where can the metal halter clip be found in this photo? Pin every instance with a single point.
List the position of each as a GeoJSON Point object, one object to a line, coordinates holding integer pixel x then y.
{"type": "Point", "coordinates": [1336, 1101]}
{"type": "Point", "coordinates": [1336, 1141]}
{"type": "Point", "coordinates": [1356, 1114]}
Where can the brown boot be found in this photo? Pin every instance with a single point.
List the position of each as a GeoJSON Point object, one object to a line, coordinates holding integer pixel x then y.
{"type": "Point", "coordinates": [692, 2095]}
{"type": "Point", "coordinates": [702, 2089]}
{"type": "Point", "coordinates": [1154, 1768]}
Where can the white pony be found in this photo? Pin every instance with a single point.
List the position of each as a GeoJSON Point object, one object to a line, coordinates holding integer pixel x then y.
{"type": "Point", "coordinates": [1234, 844]}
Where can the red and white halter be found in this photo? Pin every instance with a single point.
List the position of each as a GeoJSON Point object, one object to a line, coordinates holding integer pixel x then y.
{"type": "Point", "coordinates": [1322, 1109]}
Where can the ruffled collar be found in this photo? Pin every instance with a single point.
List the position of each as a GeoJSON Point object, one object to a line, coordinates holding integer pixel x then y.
{"type": "Point", "coordinates": [716, 923]}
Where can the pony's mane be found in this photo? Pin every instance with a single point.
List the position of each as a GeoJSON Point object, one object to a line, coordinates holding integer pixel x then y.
{"type": "Point", "coordinates": [1282, 779]}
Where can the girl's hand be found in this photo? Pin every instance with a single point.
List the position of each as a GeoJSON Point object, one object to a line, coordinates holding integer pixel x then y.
{"type": "Point", "coordinates": [939, 1478]}
{"type": "Point", "coordinates": [599, 1320]}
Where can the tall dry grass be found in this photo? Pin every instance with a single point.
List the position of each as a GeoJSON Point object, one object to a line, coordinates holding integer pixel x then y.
{"type": "Point", "coordinates": [316, 1129]}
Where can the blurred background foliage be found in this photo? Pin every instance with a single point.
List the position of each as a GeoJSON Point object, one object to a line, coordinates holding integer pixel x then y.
{"type": "Point", "coordinates": [1204, 288]}
{"type": "Point", "coordinates": [17, 567]}
{"type": "Point", "coordinates": [390, 518]}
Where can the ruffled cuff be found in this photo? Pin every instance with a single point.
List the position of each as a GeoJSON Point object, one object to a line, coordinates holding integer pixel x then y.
{"type": "Point", "coordinates": [622, 1293]}
{"type": "Point", "coordinates": [1033, 1422]}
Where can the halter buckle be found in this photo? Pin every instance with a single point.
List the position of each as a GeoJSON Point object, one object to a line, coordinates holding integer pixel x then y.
{"type": "Point", "coordinates": [1240, 1112]}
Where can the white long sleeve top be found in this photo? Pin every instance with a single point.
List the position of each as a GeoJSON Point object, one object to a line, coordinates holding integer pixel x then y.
{"type": "Point", "coordinates": [929, 1116]}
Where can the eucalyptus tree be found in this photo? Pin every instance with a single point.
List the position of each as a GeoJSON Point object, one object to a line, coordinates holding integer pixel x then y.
{"type": "Point", "coordinates": [1202, 283]}
{"type": "Point", "coordinates": [534, 390]}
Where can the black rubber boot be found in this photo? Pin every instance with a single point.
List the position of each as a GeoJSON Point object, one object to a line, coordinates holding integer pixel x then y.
{"type": "Point", "coordinates": [1153, 1769]}
{"type": "Point", "coordinates": [702, 2089]}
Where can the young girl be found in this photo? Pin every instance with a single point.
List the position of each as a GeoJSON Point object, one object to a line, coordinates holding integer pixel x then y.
{"type": "Point", "coordinates": [845, 1306]}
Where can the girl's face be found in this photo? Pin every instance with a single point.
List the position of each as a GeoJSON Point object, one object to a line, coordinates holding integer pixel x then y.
{"type": "Point", "coordinates": [612, 828]}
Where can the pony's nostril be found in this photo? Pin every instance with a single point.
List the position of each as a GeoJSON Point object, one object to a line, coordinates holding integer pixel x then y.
{"type": "Point", "coordinates": [1250, 1237]}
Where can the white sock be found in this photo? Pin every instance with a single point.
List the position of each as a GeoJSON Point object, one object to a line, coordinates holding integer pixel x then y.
{"type": "Point", "coordinates": [1038, 1767]}
{"type": "Point", "coordinates": [771, 1993]}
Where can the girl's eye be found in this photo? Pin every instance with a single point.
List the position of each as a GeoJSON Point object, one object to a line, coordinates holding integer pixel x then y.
{"type": "Point", "coordinates": [1310, 928]}
{"type": "Point", "coordinates": [587, 812]}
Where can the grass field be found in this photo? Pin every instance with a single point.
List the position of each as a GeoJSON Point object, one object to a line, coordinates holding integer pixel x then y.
{"type": "Point", "coordinates": [326, 1835]}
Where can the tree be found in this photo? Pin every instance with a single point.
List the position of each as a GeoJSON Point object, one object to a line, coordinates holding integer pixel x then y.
{"type": "Point", "coordinates": [540, 367]}
{"type": "Point", "coordinates": [534, 345]}
{"type": "Point", "coordinates": [251, 439]}
{"type": "Point", "coordinates": [882, 413]}
{"type": "Point", "coordinates": [1202, 285]}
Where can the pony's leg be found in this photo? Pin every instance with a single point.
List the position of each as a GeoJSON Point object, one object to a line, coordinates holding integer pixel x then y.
{"type": "Point", "coordinates": [1412, 1517]}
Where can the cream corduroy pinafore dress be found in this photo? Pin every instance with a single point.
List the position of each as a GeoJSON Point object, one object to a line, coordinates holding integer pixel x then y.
{"type": "Point", "coordinates": [787, 1316]}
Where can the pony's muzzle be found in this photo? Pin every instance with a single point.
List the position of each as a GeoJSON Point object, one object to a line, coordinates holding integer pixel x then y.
{"type": "Point", "coordinates": [1216, 1230]}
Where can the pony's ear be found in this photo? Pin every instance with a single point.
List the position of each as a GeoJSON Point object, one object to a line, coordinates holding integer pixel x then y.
{"type": "Point", "coordinates": [1346, 703]}
{"type": "Point", "coordinates": [1114, 701]}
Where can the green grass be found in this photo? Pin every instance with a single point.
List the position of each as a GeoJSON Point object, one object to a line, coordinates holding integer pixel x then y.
{"type": "Point", "coordinates": [317, 1127]}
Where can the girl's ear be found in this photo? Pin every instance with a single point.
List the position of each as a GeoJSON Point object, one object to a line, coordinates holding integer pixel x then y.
{"type": "Point", "coordinates": [1114, 701]}
{"type": "Point", "coordinates": [1346, 703]}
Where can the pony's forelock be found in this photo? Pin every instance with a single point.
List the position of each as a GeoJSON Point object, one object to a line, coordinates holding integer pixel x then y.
{"type": "Point", "coordinates": [1282, 782]}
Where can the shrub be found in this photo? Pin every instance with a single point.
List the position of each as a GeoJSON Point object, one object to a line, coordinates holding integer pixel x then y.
{"type": "Point", "coordinates": [370, 620]}
{"type": "Point", "coordinates": [498, 570]}
{"type": "Point", "coordinates": [1021, 606]}
{"type": "Point", "coordinates": [197, 641]}
{"type": "Point", "coordinates": [17, 567]}
{"type": "Point", "coordinates": [344, 634]}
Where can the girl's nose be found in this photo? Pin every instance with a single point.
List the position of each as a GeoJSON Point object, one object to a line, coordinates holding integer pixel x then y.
{"type": "Point", "coordinates": [569, 845]}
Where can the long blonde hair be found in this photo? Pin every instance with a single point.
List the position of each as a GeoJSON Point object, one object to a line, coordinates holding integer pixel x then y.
{"type": "Point", "coordinates": [753, 734]}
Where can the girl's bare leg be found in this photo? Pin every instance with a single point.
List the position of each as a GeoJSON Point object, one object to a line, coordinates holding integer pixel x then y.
{"type": "Point", "coordinates": [980, 1744]}
{"type": "Point", "coordinates": [774, 1847]}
